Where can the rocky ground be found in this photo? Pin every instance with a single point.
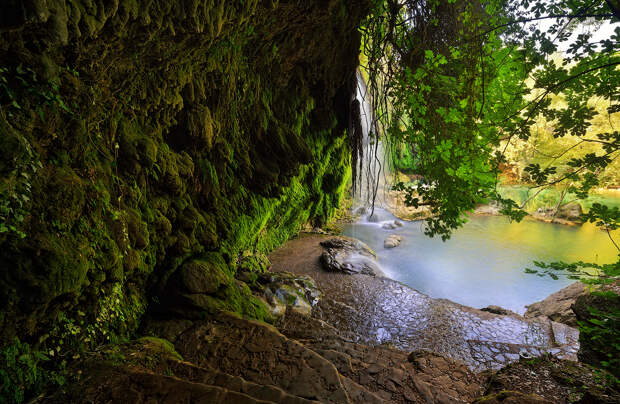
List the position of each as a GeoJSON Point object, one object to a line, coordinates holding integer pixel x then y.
{"type": "Point", "coordinates": [341, 337]}
{"type": "Point", "coordinates": [377, 310]}
{"type": "Point", "coordinates": [569, 214]}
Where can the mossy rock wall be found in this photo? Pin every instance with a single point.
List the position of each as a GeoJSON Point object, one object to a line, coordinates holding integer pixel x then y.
{"type": "Point", "coordinates": [138, 136]}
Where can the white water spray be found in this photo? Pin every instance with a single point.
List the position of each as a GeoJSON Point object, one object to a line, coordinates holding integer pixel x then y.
{"type": "Point", "coordinates": [374, 161]}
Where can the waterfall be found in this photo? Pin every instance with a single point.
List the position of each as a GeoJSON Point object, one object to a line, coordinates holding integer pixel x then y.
{"type": "Point", "coordinates": [371, 159]}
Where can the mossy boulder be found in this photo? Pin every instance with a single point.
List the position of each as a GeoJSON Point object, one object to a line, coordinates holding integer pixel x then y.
{"type": "Point", "coordinates": [206, 275]}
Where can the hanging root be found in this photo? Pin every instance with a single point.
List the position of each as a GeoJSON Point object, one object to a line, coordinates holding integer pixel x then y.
{"type": "Point", "coordinates": [356, 137]}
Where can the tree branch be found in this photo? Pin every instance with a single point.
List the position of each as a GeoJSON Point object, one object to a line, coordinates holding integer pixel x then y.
{"type": "Point", "coordinates": [615, 8]}
{"type": "Point", "coordinates": [571, 16]}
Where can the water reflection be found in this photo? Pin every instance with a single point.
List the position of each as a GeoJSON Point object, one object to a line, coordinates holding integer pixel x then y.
{"type": "Point", "coordinates": [483, 263]}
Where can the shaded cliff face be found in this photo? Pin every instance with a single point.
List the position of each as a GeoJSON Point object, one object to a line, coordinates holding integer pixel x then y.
{"type": "Point", "coordinates": [146, 144]}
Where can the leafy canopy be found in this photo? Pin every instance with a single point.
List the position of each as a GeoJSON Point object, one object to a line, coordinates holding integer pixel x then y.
{"type": "Point", "coordinates": [462, 89]}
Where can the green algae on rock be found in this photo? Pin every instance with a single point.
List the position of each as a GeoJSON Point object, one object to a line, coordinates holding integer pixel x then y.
{"type": "Point", "coordinates": [150, 143]}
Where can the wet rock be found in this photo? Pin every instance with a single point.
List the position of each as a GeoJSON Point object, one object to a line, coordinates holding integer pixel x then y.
{"type": "Point", "coordinates": [392, 241]}
{"type": "Point", "coordinates": [564, 334]}
{"type": "Point", "coordinates": [258, 353]}
{"type": "Point", "coordinates": [373, 218]}
{"type": "Point", "coordinates": [557, 306]}
{"type": "Point", "coordinates": [552, 380]}
{"type": "Point", "coordinates": [286, 296]}
{"type": "Point", "coordinates": [350, 256]}
{"type": "Point", "coordinates": [512, 397]}
{"type": "Point", "coordinates": [392, 225]}
{"type": "Point", "coordinates": [373, 310]}
{"type": "Point", "coordinates": [498, 310]}
{"type": "Point", "coordinates": [283, 290]}
{"type": "Point", "coordinates": [361, 210]}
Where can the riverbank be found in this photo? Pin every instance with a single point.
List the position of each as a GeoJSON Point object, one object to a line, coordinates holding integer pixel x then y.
{"type": "Point", "coordinates": [379, 310]}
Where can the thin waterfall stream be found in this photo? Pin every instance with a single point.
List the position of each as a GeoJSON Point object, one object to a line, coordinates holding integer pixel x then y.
{"type": "Point", "coordinates": [484, 262]}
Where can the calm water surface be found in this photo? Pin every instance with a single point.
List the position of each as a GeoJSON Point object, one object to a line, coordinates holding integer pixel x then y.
{"type": "Point", "coordinates": [483, 263]}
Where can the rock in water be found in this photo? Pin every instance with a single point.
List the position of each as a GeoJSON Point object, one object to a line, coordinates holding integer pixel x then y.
{"type": "Point", "coordinates": [571, 211]}
{"type": "Point", "coordinates": [389, 226]}
{"type": "Point", "coordinates": [392, 241]}
{"type": "Point", "coordinates": [372, 218]}
{"type": "Point", "coordinates": [348, 255]}
{"type": "Point", "coordinates": [558, 305]}
{"type": "Point", "coordinates": [498, 310]}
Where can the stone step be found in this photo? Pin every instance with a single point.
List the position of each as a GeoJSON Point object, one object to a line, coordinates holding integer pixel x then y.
{"type": "Point", "coordinates": [400, 378]}
{"type": "Point", "coordinates": [190, 372]}
{"type": "Point", "coordinates": [109, 383]}
{"type": "Point", "coordinates": [260, 354]}
{"type": "Point", "coordinates": [388, 372]}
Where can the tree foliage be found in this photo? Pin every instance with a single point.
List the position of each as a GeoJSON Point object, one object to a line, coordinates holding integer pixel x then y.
{"type": "Point", "coordinates": [466, 88]}
{"type": "Point", "coordinates": [458, 82]}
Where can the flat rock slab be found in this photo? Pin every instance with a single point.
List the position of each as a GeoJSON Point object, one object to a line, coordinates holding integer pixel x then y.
{"type": "Point", "coordinates": [350, 256]}
{"type": "Point", "coordinates": [258, 353]}
{"type": "Point", "coordinates": [122, 385]}
{"type": "Point", "coordinates": [383, 311]}
{"type": "Point", "coordinates": [151, 372]}
{"type": "Point", "coordinates": [422, 377]}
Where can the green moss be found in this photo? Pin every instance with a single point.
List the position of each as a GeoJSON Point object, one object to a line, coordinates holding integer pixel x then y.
{"type": "Point", "coordinates": [206, 275]}
{"type": "Point", "coordinates": [161, 345]}
{"type": "Point", "coordinates": [253, 262]}
{"type": "Point", "coordinates": [236, 298]}
{"type": "Point", "coordinates": [188, 134]}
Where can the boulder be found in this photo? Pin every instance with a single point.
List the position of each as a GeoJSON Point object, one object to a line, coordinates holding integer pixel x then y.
{"type": "Point", "coordinates": [374, 218]}
{"type": "Point", "coordinates": [206, 275]}
{"type": "Point", "coordinates": [570, 211]}
{"type": "Point", "coordinates": [389, 226]}
{"type": "Point", "coordinates": [361, 210]}
{"type": "Point", "coordinates": [392, 241]}
{"type": "Point", "coordinates": [557, 306]}
{"type": "Point", "coordinates": [283, 290]}
{"type": "Point", "coordinates": [350, 256]}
